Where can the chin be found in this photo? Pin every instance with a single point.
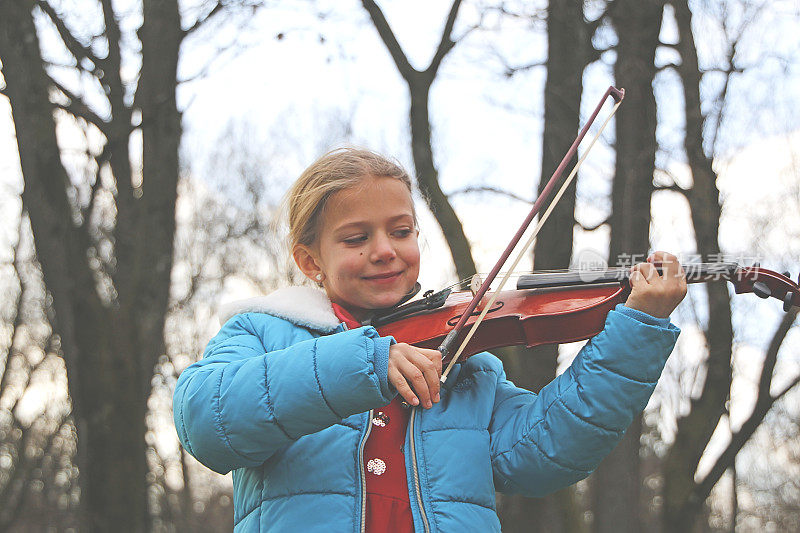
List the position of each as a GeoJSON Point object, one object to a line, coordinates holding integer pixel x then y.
{"type": "Point", "coordinates": [384, 303]}
{"type": "Point", "coordinates": [388, 300]}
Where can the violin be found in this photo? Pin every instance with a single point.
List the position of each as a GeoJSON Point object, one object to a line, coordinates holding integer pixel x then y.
{"type": "Point", "coordinates": [554, 307]}
{"type": "Point", "coordinates": [546, 308]}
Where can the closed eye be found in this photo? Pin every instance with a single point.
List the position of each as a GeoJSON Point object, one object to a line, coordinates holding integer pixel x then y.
{"type": "Point", "coordinates": [358, 239]}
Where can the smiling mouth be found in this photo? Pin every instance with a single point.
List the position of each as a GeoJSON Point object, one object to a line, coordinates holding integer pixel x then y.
{"type": "Point", "coordinates": [384, 277]}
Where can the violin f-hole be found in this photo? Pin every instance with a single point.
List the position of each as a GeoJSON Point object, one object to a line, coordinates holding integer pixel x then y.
{"type": "Point", "coordinates": [454, 320]}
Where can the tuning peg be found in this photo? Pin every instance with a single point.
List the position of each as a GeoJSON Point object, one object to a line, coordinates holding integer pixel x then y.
{"type": "Point", "coordinates": [761, 289]}
{"type": "Point", "coordinates": [787, 301]}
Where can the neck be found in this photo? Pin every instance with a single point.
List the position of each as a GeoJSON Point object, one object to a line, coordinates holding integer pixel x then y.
{"type": "Point", "coordinates": [362, 315]}
{"type": "Point", "coordinates": [695, 273]}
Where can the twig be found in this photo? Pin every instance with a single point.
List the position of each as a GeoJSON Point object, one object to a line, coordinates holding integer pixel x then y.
{"type": "Point", "coordinates": [493, 190]}
{"type": "Point", "coordinates": [75, 47]}
{"type": "Point", "coordinates": [218, 7]}
{"type": "Point", "coordinates": [78, 108]}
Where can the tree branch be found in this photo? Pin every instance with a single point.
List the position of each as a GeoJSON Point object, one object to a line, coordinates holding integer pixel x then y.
{"type": "Point", "coordinates": [99, 160]}
{"type": "Point", "coordinates": [218, 7]}
{"type": "Point", "coordinates": [446, 43]}
{"type": "Point", "coordinates": [203, 73]}
{"type": "Point", "coordinates": [594, 54]}
{"type": "Point", "coordinates": [787, 388]}
{"type": "Point", "coordinates": [668, 66]}
{"type": "Point", "coordinates": [75, 47]}
{"type": "Point", "coordinates": [595, 226]}
{"type": "Point", "coordinates": [78, 108]}
{"type": "Point", "coordinates": [674, 187]}
{"type": "Point", "coordinates": [510, 71]}
{"type": "Point", "coordinates": [764, 403]}
{"type": "Point", "coordinates": [721, 99]}
{"type": "Point", "coordinates": [387, 36]}
{"type": "Point", "coordinates": [493, 190]}
{"type": "Point", "coordinates": [113, 84]}
{"type": "Point", "coordinates": [16, 322]}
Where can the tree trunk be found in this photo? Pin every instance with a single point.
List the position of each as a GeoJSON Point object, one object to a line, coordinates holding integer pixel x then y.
{"type": "Point", "coordinates": [617, 491]}
{"type": "Point", "coordinates": [694, 430]}
{"type": "Point", "coordinates": [109, 347]}
{"type": "Point", "coordinates": [534, 368]}
{"type": "Point", "coordinates": [428, 180]}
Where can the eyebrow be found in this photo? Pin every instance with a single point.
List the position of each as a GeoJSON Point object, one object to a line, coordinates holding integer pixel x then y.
{"type": "Point", "coordinates": [359, 223]}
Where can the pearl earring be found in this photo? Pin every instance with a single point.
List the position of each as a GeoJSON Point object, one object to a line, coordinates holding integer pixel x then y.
{"type": "Point", "coordinates": [318, 277]}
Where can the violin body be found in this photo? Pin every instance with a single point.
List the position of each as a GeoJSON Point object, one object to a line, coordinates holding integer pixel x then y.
{"type": "Point", "coordinates": [555, 308]}
{"type": "Point", "coordinates": [517, 318]}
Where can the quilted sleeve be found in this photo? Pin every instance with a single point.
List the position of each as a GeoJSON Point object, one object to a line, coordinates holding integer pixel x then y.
{"type": "Point", "coordinates": [238, 404]}
{"type": "Point", "coordinates": [542, 443]}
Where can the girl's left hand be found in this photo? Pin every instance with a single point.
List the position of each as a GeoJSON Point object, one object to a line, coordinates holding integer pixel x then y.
{"type": "Point", "coordinates": [414, 372]}
{"type": "Point", "coordinates": [653, 293]}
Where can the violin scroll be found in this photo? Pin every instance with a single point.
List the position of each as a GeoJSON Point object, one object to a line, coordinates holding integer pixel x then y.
{"type": "Point", "coordinates": [766, 283]}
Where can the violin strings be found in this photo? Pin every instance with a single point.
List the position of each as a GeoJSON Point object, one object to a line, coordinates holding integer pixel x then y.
{"type": "Point", "coordinates": [466, 281]}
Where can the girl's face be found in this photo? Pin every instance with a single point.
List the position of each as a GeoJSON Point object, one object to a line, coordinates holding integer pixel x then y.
{"type": "Point", "coordinates": [367, 247]}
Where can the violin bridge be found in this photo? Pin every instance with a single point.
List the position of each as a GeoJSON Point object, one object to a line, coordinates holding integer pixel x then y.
{"type": "Point", "coordinates": [474, 286]}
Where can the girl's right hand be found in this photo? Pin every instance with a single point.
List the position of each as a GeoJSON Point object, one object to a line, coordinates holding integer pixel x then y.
{"type": "Point", "coordinates": [415, 370]}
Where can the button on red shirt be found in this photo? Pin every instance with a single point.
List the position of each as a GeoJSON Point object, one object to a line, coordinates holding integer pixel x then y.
{"type": "Point", "coordinates": [388, 504]}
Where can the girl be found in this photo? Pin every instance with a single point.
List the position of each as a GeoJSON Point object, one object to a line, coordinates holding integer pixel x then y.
{"type": "Point", "coordinates": [328, 426]}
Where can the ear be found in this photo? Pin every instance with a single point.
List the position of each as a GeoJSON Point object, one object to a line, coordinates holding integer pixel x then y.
{"type": "Point", "coordinates": [306, 260]}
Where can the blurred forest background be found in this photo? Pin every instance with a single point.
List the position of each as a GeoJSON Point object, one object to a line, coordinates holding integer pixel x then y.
{"type": "Point", "coordinates": [145, 147]}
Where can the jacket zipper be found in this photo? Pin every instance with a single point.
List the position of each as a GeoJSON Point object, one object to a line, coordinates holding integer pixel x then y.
{"type": "Point", "coordinates": [363, 473]}
{"type": "Point", "coordinates": [416, 471]}
{"type": "Point", "coordinates": [361, 470]}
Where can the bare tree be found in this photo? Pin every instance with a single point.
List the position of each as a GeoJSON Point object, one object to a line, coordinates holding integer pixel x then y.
{"type": "Point", "coordinates": [37, 482]}
{"type": "Point", "coordinates": [772, 485]}
{"type": "Point", "coordinates": [683, 495]}
{"type": "Point", "coordinates": [109, 277]}
{"type": "Point", "coordinates": [637, 24]}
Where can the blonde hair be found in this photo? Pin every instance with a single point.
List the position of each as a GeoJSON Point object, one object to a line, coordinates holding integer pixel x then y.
{"type": "Point", "coordinates": [335, 171]}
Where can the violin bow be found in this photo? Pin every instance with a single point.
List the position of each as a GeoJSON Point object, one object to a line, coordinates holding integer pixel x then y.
{"type": "Point", "coordinates": [450, 339]}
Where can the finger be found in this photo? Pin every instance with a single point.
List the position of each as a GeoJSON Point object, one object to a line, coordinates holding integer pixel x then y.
{"type": "Point", "coordinates": [431, 373]}
{"type": "Point", "coordinates": [434, 356]}
{"type": "Point", "coordinates": [416, 378]}
{"type": "Point", "coordinates": [402, 387]}
{"type": "Point", "coordinates": [636, 279]}
{"type": "Point", "coordinates": [671, 267]}
{"type": "Point", "coordinates": [648, 271]}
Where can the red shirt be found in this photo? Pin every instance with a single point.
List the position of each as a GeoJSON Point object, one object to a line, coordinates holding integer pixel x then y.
{"type": "Point", "coordinates": [388, 504]}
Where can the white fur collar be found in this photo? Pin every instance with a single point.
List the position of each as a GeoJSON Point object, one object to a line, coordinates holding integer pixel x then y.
{"type": "Point", "coordinates": [304, 306]}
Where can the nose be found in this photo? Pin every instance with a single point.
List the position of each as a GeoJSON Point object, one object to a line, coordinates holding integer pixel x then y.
{"type": "Point", "coordinates": [382, 250]}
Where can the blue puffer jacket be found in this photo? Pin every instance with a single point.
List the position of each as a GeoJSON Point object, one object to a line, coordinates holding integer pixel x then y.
{"type": "Point", "coordinates": [283, 394]}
